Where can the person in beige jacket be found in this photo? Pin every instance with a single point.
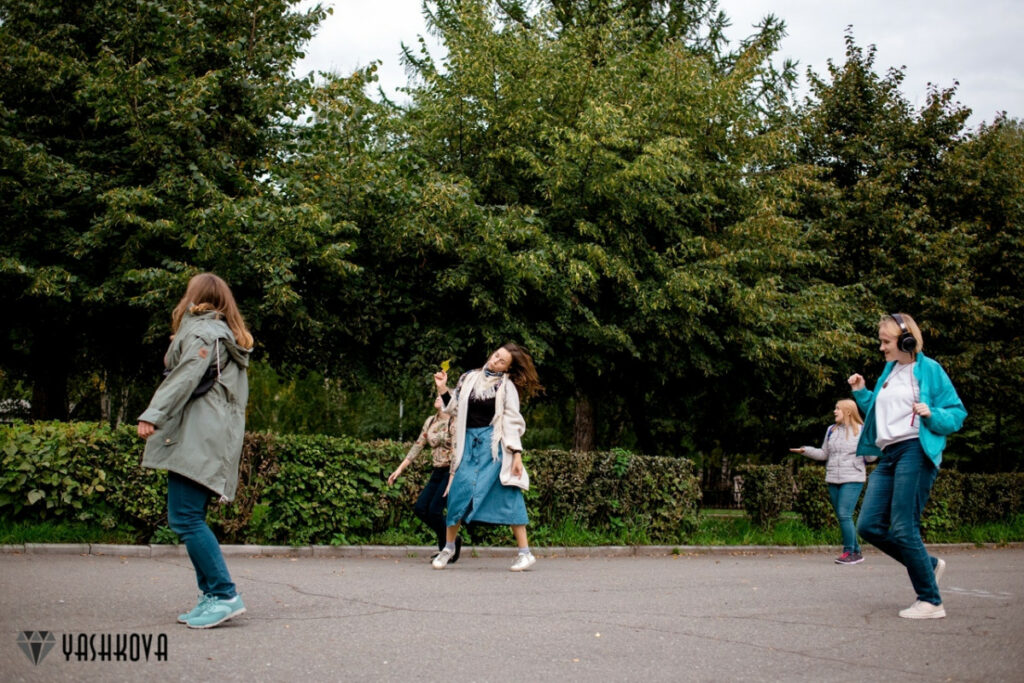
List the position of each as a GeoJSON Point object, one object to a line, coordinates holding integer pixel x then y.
{"type": "Point", "coordinates": [438, 433]}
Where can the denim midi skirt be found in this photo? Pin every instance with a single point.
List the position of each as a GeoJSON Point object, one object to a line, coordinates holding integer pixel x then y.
{"type": "Point", "coordinates": [476, 494]}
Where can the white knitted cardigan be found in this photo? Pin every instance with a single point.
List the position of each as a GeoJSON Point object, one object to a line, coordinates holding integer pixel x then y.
{"type": "Point", "coordinates": [508, 422]}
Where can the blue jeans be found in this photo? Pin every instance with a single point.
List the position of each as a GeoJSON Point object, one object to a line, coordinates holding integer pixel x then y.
{"type": "Point", "coordinates": [890, 518]}
{"type": "Point", "coordinates": [844, 501]}
{"type": "Point", "coordinates": [429, 506]}
{"type": "Point", "coordinates": [186, 515]}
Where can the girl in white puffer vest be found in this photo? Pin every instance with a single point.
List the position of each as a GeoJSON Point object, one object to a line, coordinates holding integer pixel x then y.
{"type": "Point", "coordinates": [845, 472]}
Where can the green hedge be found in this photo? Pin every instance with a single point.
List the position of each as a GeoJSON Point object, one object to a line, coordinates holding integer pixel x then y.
{"type": "Point", "coordinates": [812, 499]}
{"type": "Point", "coordinates": [957, 500]}
{"type": "Point", "coordinates": [303, 490]}
{"type": "Point", "coordinates": [609, 490]}
{"type": "Point", "coordinates": [768, 491]}
{"type": "Point", "coordinates": [79, 471]}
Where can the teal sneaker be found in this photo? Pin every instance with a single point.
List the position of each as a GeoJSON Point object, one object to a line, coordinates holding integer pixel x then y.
{"type": "Point", "coordinates": [216, 611]}
{"type": "Point", "coordinates": [203, 599]}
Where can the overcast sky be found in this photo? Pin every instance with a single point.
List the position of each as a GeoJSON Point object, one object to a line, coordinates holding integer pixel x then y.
{"type": "Point", "coordinates": [976, 43]}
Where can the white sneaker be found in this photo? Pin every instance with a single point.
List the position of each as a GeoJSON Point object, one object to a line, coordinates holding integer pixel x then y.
{"type": "Point", "coordinates": [939, 569]}
{"type": "Point", "coordinates": [523, 562]}
{"type": "Point", "coordinates": [441, 561]}
{"type": "Point", "coordinates": [923, 610]}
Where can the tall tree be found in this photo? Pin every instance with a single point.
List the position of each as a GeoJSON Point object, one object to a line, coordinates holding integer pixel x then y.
{"type": "Point", "coordinates": [621, 200]}
{"type": "Point", "coordinates": [885, 187]}
{"type": "Point", "coordinates": [987, 194]}
{"type": "Point", "coordinates": [137, 142]}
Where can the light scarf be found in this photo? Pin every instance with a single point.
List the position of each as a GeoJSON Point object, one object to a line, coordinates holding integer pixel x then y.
{"type": "Point", "coordinates": [485, 388]}
{"type": "Point", "coordinates": [477, 383]}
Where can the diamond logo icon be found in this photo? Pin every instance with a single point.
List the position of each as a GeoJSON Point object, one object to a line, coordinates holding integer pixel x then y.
{"type": "Point", "coordinates": [36, 644]}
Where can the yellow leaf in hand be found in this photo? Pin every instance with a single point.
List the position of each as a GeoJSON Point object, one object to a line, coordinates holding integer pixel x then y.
{"type": "Point", "coordinates": [445, 364]}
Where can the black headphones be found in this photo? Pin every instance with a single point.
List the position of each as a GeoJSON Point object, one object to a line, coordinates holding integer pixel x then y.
{"type": "Point", "coordinates": [906, 341]}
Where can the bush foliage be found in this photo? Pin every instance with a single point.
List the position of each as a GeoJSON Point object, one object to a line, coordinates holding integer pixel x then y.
{"type": "Point", "coordinates": [768, 491]}
{"type": "Point", "coordinates": [319, 490]}
{"type": "Point", "coordinates": [812, 500]}
{"type": "Point", "coordinates": [302, 490]}
{"type": "Point", "coordinates": [957, 500]}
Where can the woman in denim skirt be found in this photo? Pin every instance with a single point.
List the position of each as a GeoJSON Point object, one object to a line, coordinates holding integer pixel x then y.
{"type": "Point", "coordinates": [487, 475]}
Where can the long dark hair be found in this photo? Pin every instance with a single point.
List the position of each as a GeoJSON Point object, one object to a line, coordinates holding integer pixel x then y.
{"type": "Point", "coordinates": [522, 372]}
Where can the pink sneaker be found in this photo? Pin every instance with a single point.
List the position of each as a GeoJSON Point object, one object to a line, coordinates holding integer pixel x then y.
{"type": "Point", "coordinates": [850, 558]}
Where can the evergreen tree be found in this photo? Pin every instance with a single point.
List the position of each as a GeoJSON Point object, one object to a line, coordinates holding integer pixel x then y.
{"type": "Point", "coordinates": [137, 143]}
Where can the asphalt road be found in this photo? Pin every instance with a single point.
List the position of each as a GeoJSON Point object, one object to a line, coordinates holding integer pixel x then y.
{"type": "Point", "coordinates": [719, 616]}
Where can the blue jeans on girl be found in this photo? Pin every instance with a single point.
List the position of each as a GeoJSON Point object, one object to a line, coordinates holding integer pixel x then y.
{"type": "Point", "coordinates": [187, 502]}
{"type": "Point", "coordinates": [844, 501]}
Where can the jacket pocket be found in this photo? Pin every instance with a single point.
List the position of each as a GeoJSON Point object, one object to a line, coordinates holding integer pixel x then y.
{"type": "Point", "coordinates": [170, 433]}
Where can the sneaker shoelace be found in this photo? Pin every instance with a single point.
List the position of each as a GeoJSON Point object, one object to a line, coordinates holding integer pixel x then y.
{"type": "Point", "coordinates": [205, 604]}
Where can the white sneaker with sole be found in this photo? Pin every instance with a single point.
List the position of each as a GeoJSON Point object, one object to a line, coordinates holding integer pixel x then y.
{"type": "Point", "coordinates": [523, 562]}
{"type": "Point", "coordinates": [441, 561]}
{"type": "Point", "coordinates": [923, 610]}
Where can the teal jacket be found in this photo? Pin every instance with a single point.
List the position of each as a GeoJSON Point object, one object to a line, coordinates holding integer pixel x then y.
{"type": "Point", "coordinates": [200, 438]}
{"type": "Point", "coordinates": [937, 391]}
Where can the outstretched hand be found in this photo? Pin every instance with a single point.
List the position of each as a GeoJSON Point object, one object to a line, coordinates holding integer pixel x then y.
{"type": "Point", "coordinates": [856, 382]}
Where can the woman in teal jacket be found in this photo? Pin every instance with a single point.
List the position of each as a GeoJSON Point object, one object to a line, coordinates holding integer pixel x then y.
{"type": "Point", "coordinates": [194, 427]}
{"type": "Point", "coordinates": [908, 416]}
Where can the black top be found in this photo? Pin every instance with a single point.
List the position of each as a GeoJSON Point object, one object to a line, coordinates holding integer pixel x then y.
{"type": "Point", "coordinates": [480, 413]}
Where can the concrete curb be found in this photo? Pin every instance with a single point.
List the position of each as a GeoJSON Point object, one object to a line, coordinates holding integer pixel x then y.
{"type": "Point", "coordinates": [57, 548]}
{"type": "Point", "coordinates": [410, 551]}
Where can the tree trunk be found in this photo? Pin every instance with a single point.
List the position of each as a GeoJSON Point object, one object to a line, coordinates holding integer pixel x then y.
{"type": "Point", "coordinates": [105, 399]}
{"type": "Point", "coordinates": [583, 428]}
{"type": "Point", "coordinates": [1000, 457]}
{"type": "Point", "coordinates": [122, 408]}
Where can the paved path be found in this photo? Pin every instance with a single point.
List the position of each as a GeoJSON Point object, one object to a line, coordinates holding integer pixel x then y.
{"type": "Point", "coordinates": [753, 616]}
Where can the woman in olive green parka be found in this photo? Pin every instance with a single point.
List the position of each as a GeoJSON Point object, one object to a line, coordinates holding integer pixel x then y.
{"type": "Point", "coordinates": [200, 438]}
{"type": "Point", "coordinates": [194, 427]}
